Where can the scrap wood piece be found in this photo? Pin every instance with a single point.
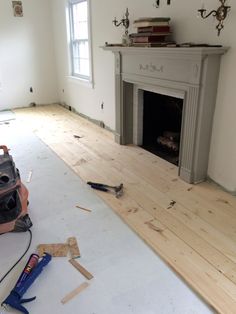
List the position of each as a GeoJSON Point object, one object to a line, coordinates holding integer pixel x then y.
{"type": "Point", "coordinates": [56, 249]}
{"type": "Point", "coordinates": [29, 176]}
{"type": "Point", "coordinates": [86, 209]}
{"type": "Point", "coordinates": [81, 269]}
{"type": "Point", "coordinates": [73, 293]}
{"type": "Point", "coordinates": [73, 247]}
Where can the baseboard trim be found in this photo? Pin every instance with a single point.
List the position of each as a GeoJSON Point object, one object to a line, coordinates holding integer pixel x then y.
{"type": "Point", "coordinates": [94, 121]}
{"type": "Point", "coordinates": [209, 179]}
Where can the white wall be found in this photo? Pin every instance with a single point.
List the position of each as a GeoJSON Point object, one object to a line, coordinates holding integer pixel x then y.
{"type": "Point", "coordinates": [85, 99]}
{"type": "Point", "coordinates": [26, 55]}
{"type": "Point", "coordinates": [186, 27]}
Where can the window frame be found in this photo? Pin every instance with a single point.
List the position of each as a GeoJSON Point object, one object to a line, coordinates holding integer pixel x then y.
{"type": "Point", "coordinates": [80, 77]}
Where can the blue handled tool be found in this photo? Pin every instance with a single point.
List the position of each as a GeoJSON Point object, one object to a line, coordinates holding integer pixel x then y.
{"type": "Point", "coordinates": [31, 271]}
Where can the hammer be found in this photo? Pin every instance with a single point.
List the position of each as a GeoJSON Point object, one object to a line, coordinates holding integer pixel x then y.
{"type": "Point", "coordinates": [107, 188]}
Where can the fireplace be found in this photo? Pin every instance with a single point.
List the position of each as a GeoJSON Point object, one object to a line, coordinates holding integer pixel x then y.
{"type": "Point", "coordinates": [187, 74]}
{"type": "Point", "coordinates": [161, 127]}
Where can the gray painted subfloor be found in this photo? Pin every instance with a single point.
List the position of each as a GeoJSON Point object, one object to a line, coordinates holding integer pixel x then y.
{"type": "Point", "coordinates": [128, 276]}
{"type": "Point", "coordinates": [6, 115]}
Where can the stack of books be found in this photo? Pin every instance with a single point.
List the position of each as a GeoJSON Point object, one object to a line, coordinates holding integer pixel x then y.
{"type": "Point", "coordinates": [151, 32]}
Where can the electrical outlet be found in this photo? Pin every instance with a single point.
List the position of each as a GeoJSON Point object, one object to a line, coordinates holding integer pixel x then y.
{"type": "Point", "coordinates": [102, 105]}
{"type": "Point", "coordinates": [31, 89]}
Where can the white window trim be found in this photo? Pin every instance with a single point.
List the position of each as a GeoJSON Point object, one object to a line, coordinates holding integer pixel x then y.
{"type": "Point", "coordinates": [74, 78]}
{"type": "Point", "coordinates": [80, 81]}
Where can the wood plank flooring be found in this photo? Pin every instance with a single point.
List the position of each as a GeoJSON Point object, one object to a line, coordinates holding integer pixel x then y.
{"type": "Point", "coordinates": [192, 227]}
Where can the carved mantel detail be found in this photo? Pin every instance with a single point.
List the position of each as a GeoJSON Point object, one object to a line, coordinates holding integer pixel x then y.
{"type": "Point", "coordinates": [151, 67]}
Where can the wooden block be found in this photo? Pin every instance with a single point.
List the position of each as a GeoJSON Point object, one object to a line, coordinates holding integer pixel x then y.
{"type": "Point", "coordinates": [73, 247]}
{"type": "Point", "coordinates": [29, 176]}
{"type": "Point", "coordinates": [73, 293]}
{"type": "Point", "coordinates": [56, 249]}
{"type": "Point", "coordinates": [81, 269]}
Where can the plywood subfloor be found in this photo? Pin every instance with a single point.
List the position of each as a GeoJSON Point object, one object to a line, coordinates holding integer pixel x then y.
{"type": "Point", "coordinates": [193, 228]}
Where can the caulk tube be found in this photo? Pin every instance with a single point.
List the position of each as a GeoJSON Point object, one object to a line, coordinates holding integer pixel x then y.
{"type": "Point", "coordinates": [31, 264]}
{"type": "Point", "coordinates": [28, 276]}
{"type": "Point", "coordinates": [46, 258]}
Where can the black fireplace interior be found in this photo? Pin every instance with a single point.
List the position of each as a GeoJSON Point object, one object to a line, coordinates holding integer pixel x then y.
{"type": "Point", "coordinates": [162, 116]}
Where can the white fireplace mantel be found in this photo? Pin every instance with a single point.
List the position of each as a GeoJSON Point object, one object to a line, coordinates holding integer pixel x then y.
{"type": "Point", "coordinates": [190, 73]}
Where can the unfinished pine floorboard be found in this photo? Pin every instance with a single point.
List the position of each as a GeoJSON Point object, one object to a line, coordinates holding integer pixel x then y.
{"type": "Point", "coordinates": [192, 227]}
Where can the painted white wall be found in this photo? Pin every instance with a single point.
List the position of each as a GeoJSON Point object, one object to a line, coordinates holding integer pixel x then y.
{"type": "Point", "coordinates": [27, 55]}
{"type": "Point", "coordinates": [85, 99]}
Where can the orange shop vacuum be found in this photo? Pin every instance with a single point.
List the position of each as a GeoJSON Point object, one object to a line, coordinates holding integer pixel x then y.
{"type": "Point", "coordinates": [13, 196]}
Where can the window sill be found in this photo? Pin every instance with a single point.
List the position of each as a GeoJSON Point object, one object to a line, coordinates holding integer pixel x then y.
{"type": "Point", "coordinates": [80, 81]}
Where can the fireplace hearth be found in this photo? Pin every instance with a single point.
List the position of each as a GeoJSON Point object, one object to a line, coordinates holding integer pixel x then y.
{"type": "Point", "coordinates": [187, 74]}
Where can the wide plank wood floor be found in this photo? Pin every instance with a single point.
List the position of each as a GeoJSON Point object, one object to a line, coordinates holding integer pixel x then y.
{"type": "Point", "coordinates": [192, 227]}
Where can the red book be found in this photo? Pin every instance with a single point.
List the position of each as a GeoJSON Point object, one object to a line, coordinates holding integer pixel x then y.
{"type": "Point", "coordinates": [154, 29]}
{"type": "Point", "coordinates": [149, 39]}
{"type": "Point", "coordinates": [149, 34]}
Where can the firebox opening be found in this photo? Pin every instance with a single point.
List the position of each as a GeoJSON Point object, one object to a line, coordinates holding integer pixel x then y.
{"type": "Point", "coordinates": [162, 116]}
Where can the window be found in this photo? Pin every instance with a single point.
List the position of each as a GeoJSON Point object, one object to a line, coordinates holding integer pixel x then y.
{"type": "Point", "coordinates": [79, 39]}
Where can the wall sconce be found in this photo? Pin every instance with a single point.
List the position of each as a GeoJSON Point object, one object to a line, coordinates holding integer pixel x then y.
{"type": "Point", "coordinates": [124, 21]}
{"type": "Point", "coordinates": [220, 14]}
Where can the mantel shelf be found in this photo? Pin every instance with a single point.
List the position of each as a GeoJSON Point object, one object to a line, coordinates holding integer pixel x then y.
{"type": "Point", "coordinates": [200, 51]}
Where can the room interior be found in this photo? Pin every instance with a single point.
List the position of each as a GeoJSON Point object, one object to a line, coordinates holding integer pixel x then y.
{"type": "Point", "coordinates": [179, 210]}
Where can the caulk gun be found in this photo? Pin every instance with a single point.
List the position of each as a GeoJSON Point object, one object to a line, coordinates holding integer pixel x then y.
{"type": "Point", "coordinates": [32, 270]}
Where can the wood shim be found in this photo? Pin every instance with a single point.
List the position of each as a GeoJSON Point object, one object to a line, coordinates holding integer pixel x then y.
{"type": "Point", "coordinates": [86, 209]}
{"type": "Point", "coordinates": [29, 176]}
{"type": "Point", "coordinates": [73, 247]}
{"type": "Point", "coordinates": [81, 269]}
{"type": "Point", "coordinates": [56, 250]}
{"type": "Point", "coordinates": [73, 293]}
